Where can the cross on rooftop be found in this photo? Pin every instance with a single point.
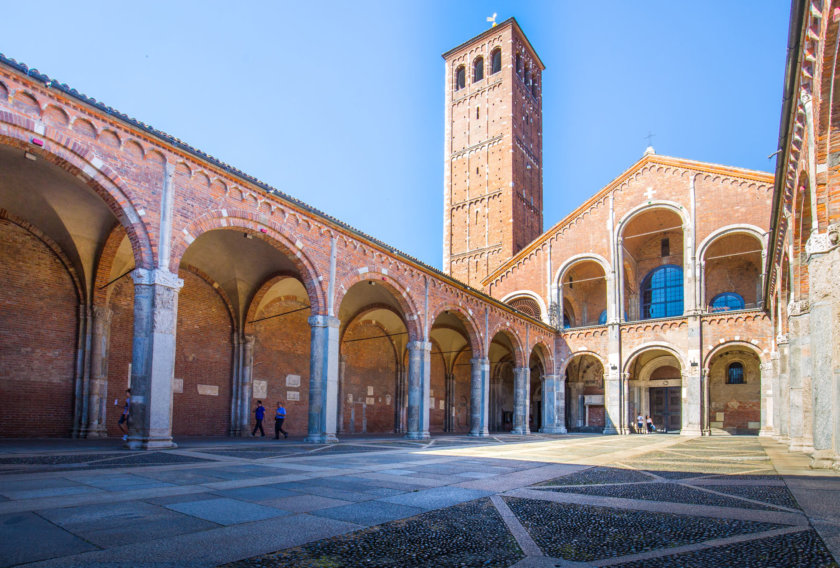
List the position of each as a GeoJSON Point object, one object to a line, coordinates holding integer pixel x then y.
{"type": "Point", "coordinates": [649, 193]}
{"type": "Point", "coordinates": [649, 137]}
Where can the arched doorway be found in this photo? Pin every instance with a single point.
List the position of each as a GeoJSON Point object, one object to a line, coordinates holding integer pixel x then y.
{"type": "Point", "coordinates": [585, 410]}
{"type": "Point", "coordinates": [734, 376]}
{"type": "Point", "coordinates": [537, 363]}
{"type": "Point", "coordinates": [502, 364]}
{"type": "Point", "coordinates": [655, 389]}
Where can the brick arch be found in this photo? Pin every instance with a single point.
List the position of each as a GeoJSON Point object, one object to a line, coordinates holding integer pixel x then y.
{"type": "Point", "coordinates": [469, 323]}
{"type": "Point", "coordinates": [80, 160]}
{"type": "Point", "coordinates": [658, 204]}
{"type": "Point", "coordinates": [52, 246]}
{"type": "Point", "coordinates": [518, 351]}
{"type": "Point", "coordinates": [262, 290]}
{"type": "Point", "coordinates": [662, 345]}
{"type": "Point", "coordinates": [545, 355]}
{"type": "Point", "coordinates": [597, 356]}
{"type": "Point", "coordinates": [217, 288]}
{"type": "Point", "coordinates": [366, 310]}
{"type": "Point", "coordinates": [269, 232]}
{"type": "Point", "coordinates": [740, 229]}
{"type": "Point", "coordinates": [101, 290]}
{"type": "Point", "coordinates": [410, 315]}
{"type": "Point", "coordinates": [578, 258]}
{"type": "Point", "coordinates": [729, 345]}
{"type": "Point", "coordinates": [802, 226]}
{"type": "Point", "coordinates": [543, 315]}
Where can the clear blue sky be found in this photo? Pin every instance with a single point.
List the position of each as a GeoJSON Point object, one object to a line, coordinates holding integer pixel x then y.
{"type": "Point", "coordinates": [341, 104]}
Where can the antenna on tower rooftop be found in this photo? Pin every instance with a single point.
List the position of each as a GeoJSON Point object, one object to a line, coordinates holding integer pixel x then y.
{"type": "Point", "coordinates": [492, 19]}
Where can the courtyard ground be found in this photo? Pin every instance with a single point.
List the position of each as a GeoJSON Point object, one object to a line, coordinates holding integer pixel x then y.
{"type": "Point", "coordinates": [538, 501]}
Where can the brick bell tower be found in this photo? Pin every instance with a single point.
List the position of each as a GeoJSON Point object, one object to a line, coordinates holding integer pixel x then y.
{"type": "Point", "coordinates": [492, 195]}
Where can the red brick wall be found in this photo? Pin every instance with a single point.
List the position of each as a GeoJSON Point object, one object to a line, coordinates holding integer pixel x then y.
{"type": "Point", "coordinates": [437, 415]}
{"type": "Point", "coordinates": [203, 356]}
{"type": "Point", "coordinates": [38, 319]}
{"type": "Point", "coordinates": [461, 400]}
{"type": "Point", "coordinates": [369, 363]}
{"type": "Point", "coordinates": [121, 303]}
{"type": "Point", "coordinates": [281, 348]}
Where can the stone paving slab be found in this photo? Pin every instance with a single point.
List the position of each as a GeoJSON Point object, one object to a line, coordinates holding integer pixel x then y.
{"type": "Point", "coordinates": [256, 493]}
{"type": "Point", "coordinates": [224, 511]}
{"type": "Point", "coordinates": [28, 538]}
{"type": "Point", "coordinates": [436, 498]}
{"type": "Point", "coordinates": [369, 513]}
{"type": "Point", "coordinates": [304, 503]}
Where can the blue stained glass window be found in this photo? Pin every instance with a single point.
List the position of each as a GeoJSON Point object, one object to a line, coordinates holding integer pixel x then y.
{"type": "Point", "coordinates": [662, 292]}
{"type": "Point", "coordinates": [726, 301]}
{"type": "Point", "coordinates": [566, 323]}
{"type": "Point", "coordinates": [602, 319]}
{"type": "Point", "coordinates": [735, 374]}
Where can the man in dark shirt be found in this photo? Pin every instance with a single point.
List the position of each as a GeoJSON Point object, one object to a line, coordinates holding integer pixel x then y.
{"type": "Point", "coordinates": [279, 417]}
{"type": "Point", "coordinates": [259, 414]}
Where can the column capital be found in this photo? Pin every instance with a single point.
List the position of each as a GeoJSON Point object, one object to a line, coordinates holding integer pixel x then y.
{"type": "Point", "coordinates": [480, 361]}
{"type": "Point", "coordinates": [102, 313]}
{"type": "Point", "coordinates": [156, 277]}
{"type": "Point", "coordinates": [821, 243]}
{"type": "Point", "coordinates": [419, 345]}
{"type": "Point", "coordinates": [324, 321]}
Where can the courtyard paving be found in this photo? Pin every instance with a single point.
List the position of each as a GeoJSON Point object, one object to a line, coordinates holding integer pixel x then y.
{"type": "Point", "coordinates": [537, 501]}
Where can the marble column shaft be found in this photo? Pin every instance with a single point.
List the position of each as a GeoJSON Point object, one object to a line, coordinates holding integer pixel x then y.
{"type": "Point", "coordinates": [554, 404]}
{"type": "Point", "coordinates": [98, 395]}
{"type": "Point", "coordinates": [419, 384]}
{"type": "Point", "coordinates": [479, 396]}
{"type": "Point", "coordinates": [521, 400]}
{"type": "Point", "coordinates": [323, 379]}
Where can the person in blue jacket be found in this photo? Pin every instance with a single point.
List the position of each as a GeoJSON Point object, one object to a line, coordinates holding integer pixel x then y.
{"type": "Point", "coordinates": [259, 414]}
{"type": "Point", "coordinates": [279, 417]}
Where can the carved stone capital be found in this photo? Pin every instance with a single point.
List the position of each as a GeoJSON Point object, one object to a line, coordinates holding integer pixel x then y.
{"type": "Point", "coordinates": [781, 339]}
{"type": "Point", "coordinates": [821, 243]}
{"type": "Point", "coordinates": [798, 308]}
{"type": "Point", "coordinates": [156, 277]}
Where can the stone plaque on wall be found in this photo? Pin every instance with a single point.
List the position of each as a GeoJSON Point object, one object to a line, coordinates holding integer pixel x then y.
{"type": "Point", "coordinates": [370, 391]}
{"type": "Point", "coordinates": [260, 389]}
{"type": "Point", "coordinates": [387, 399]}
{"type": "Point", "coordinates": [369, 400]}
{"type": "Point", "coordinates": [178, 385]}
{"type": "Point", "coordinates": [292, 395]}
{"type": "Point", "coordinates": [209, 390]}
{"type": "Point", "coordinates": [442, 404]}
{"type": "Point", "coordinates": [293, 381]}
{"type": "Point", "coordinates": [350, 397]}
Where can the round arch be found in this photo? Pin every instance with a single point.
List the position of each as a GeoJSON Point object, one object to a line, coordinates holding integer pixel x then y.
{"type": "Point", "coordinates": [651, 205]}
{"type": "Point", "coordinates": [737, 229]}
{"type": "Point", "coordinates": [395, 288]}
{"type": "Point", "coordinates": [518, 351]}
{"type": "Point", "coordinates": [470, 325]}
{"type": "Point", "coordinates": [544, 353]}
{"type": "Point", "coordinates": [595, 355]}
{"type": "Point", "coordinates": [628, 362]}
{"type": "Point", "coordinates": [573, 260]}
{"type": "Point", "coordinates": [729, 345]}
{"type": "Point", "coordinates": [532, 295]}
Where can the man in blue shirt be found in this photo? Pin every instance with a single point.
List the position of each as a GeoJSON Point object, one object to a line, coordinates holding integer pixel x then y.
{"type": "Point", "coordinates": [279, 417]}
{"type": "Point", "coordinates": [259, 414]}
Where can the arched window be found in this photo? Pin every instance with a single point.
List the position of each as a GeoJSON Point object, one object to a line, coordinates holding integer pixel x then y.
{"type": "Point", "coordinates": [518, 64]}
{"type": "Point", "coordinates": [726, 301]}
{"type": "Point", "coordinates": [496, 61]}
{"type": "Point", "coordinates": [662, 292]}
{"type": "Point", "coordinates": [602, 319]}
{"type": "Point", "coordinates": [478, 69]}
{"type": "Point", "coordinates": [534, 88]}
{"type": "Point", "coordinates": [566, 321]}
{"type": "Point", "coordinates": [527, 76]}
{"type": "Point", "coordinates": [526, 306]}
{"type": "Point", "coordinates": [735, 374]}
{"type": "Point", "coordinates": [460, 78]}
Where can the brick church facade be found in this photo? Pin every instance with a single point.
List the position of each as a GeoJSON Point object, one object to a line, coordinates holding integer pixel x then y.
{"type": "Point", "coordinates": [203, 289]}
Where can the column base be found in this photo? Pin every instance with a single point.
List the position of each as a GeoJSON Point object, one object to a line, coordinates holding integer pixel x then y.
{"type": "Point", "coordinates": [321, 439]}
{"type": "Point", "coordinates": [610, 431]}
{"type": "Point", "coordinates": [554, 430]}
{"type": "Point", "coordinates": [766, 432]}
{"type": "Point", "coordinates": [520, 431]}
{"type": "Point", "coordinates": [417, 436]}
{"type": "Point", "coordinates": [823, 459]}
{"type": "Point", "coordinates": [479, 434]}
{"type": "Point", "coordinates": [150, 444]}
{"type": "Point", "coordinates": [691, 431]}
{"type": "Point", "coordinates": [97, 431]}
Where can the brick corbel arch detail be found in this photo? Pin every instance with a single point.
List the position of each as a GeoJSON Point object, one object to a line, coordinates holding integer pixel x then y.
{"type": "Point", "coordinates": [470, 325]}
{"type": "Point", "coordinates": [518, 351]}
{"type": "Point", "coordinates": [81, 162]}
{"type": "Point", "coordinates": [707, 360]}
{"type": "Point", "coordinates": [256, 300]}
{"type": "Point", "coordinates": [269, 232]}
{"type": "Point", "coordinates": [52, 246]}
{"type": "Point", "coordinates": [662, 345]}
{"type": "Point", "coordinates": [572, 356]}
{"type": "Point", "coordinates": [410, 315]}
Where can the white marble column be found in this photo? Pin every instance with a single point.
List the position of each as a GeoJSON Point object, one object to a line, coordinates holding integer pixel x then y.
{"type": "Point", "coordinates": [323, 379]}
{"type": "Point", "coordinates": [98, 395]}
{"type": "Point", "coordinates": [521, 399]}
{"type": "Point", "coordinates": [479, 397]}
{"type": "Point", "coordinates": [246, 383]}
{"type": "Point", "coordinates": [554, 405]}
{"type": "Point", "coordinates": [767, 402]}
{"type": "Point", "coordinates": [419, 385]}
{"type": "Point", "coordinates": [153, 358]}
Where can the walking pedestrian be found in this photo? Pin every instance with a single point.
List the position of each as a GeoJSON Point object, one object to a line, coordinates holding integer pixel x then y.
{"type": "Point", "coordinates": [126, 412]}
{"type": "Point", "coordinates": [640, 424]}
{"type": "Point", "coordinates": [279, 417]}
{"type": "Point", "coordinates": [650, 426]}
{"type": "Point", "coordinates": [259, 414]}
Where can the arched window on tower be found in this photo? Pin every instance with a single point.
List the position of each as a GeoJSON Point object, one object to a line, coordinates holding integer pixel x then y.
{"type": "Point", "coordinates": [735, 374]}
{"type": "Point", "coordinates": [460, 78]}
{"type": "Point", "coordinates": [527, 76]}
{"type": "Point", "coordinates": [478, 69]}
{"type": "Point", "coordinates": [662, 292]}
{"type": "Point", "coordinates": [534, 88]}
{"type": "Point", "coordinates": [726, 301]}
{"type": "Point", "coordinates": [496, 61]}
{"type": "Point", "coordinates": [519, 64]}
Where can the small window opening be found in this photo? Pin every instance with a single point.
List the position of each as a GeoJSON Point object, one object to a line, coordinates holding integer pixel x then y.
{"type": "Point", "coordinates": [665, 247]}
{"type": "Point", "coordinates": [460, 78]}
{"type": "Point", "coordinates": [518, 64]}
{"type": "Point", "coordinates": [527, 76]}
{"type": "Point", "coordinates": [478, 112]}
{"type": "Point", "coordinates": [571, 282]}
{"type": "Point", "coordinates": [735, 374]}
{"type": "Point", "coordinates": [478, 69]}
{"type": "Point", "coordinates": [496, 61]}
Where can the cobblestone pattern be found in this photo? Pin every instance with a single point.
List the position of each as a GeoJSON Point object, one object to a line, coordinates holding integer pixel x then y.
{"type": "Point", "coordinates": [583, 533]}
{"type": "Point", "coordinates": [773, 495]}
{"type": "Point", "coordinates": [34, 464]}
{"type": "Point", "coordinates": [597, 476]}
{"type": "Point", "coordinates": [470, 534]}
{"type": "Point", "coordinates": [799, 550]}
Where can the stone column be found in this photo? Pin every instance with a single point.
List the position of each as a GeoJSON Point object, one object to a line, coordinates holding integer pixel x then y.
{"type": "Point", "coordinates": [81, 372]}
{"type": "Point", "coordinates": [479, 397]}
{"type": "Point", "coordinates": [521, 388]}
{"type": "Point", "coordinates": [554, 405]}
{"type": "Point", "coordinates": [799, 365]}
{"type": "Point", "coordinates": [153, 358]}
{"type": "Point", "coordinates": [246, 383]}
{"type": "Point", "coordinates": [449, 404]}
{"type": "Point", "coordinates": [236, 378]}
{"type": "Point", "coordinates": [419, 384]}
{"type": "Point", "coordinates": [823, 251]}
{"type": "Point", "coordinates": [691, 382]}
{"type": "Point", "coordinates": [705, 413]}
{"type": "Point", "coordinates": [98, 396]}
{"type": "Point", "coordinates": [767, 403]}
{"type": "Point", "coordinates": [784, 389]}
{"type": "Point", "coordinates": [613, 402]}
{"type": "Point", "coordinates": [323, 379]}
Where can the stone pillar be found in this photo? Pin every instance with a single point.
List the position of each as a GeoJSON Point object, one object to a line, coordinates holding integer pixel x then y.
{"type": "Point", "coordinates": [323, 379]}
{"type": "Point", "coordinates": [767, 402]}
{"type": "Point", "coordinates": [800, 423]}
{"type": "Point", "coordinates": [419, 384]}
{"type": "Point", "coordinates": [554, 405]}
{"type": "Point", "coordinates": [691, 383]}
{"type": "Point", "coordinates": [479, 397]}
{"type": "Point", "coordinates": [81, 372]}
{"type": "Point", "coordinates": [823, 251]}
{"type": "Point", "coordinates": [449, 404]}
{"type": "Point", "coordinates": [98, 395]}
{"type": "Point", "coordinates": [246, 383]}
{"type": "Point", "coordinates": [706, 410]}
{"type": "Point", "coordinates": [784, 389]}
{"type": "Point", "coordinates": [153, 358]}
{"type": "Point", "coordinates": [521, 399]}
{"type": "Point", "coordinates": [236, 378]}
{"type": "Point", "coordinates": [613, 402]}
